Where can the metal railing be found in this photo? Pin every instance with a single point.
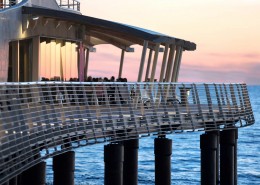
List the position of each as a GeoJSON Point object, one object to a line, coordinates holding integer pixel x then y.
{"type": "Point", "coordinates": [8, 3]}
{"type": "Point", "coordinates": [42, 119]}
{"type": "Point", "coordinates": [69, 4]}
{"type": "Point", "coordinates": [66, 4]}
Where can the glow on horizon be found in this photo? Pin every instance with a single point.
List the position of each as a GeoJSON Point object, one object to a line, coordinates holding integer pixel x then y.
{"type": "Point", "coordinates": [226, 33]}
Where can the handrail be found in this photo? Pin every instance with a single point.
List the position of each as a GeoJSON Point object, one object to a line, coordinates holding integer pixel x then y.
{"type": "Point", "coordinates": [39, 120]}
{"type": "Point", "coordinates": [69, 4]}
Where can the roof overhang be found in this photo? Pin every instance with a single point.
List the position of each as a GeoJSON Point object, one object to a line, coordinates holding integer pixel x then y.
{"type": "Point", "coordinates": [121, 35]}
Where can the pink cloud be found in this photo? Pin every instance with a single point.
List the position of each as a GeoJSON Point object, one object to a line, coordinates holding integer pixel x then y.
{"type": "Point", "coordinates": [248, 73]}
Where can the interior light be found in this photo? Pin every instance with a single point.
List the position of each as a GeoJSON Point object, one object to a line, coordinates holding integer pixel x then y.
{"type": "Point", "coordinates": [35, 18]}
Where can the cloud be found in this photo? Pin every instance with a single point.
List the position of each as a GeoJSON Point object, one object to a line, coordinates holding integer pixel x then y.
{"type": "Point", "coordinates": [249, 73]}
{"type": "Point", "coordinates": [236, 55]}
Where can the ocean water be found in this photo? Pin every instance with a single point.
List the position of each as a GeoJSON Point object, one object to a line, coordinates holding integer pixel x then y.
{"type": "Point", "coordinates": [185, 156]}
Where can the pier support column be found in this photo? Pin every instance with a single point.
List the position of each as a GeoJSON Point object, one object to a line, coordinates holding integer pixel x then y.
{"type": "Point", "coordinates": [63, 168]}
{"type": "Point", "coordinates": [114, 158]}
{"type": "Point", "coordinates": [209, 159]}
{"type": "Point", "coordinates": [163, 152]}
{"type": "Point", "coordinates": [13, 181]}
{"type": "Point", "coordinates": [34, 175]}
{"type": "Point", "coordinates": [130, 162]}
{"type": "Point", "coordinates": [228, 157]}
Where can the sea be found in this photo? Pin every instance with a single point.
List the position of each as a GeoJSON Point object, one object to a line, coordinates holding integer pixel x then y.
{"type": "Point", "coordinates": [185, 156]}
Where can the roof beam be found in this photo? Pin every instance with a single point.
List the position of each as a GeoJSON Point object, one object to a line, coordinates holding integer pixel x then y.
{"type": "Point", "coordinates": [153, 47]}
{"type": "Point", "coordinates": [112, 40]}
{"type": "Point", "coordinates": [129, 38]}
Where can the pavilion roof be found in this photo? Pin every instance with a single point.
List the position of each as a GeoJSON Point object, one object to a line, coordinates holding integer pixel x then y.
{"type": "Point", "coordinates": [104, 31]}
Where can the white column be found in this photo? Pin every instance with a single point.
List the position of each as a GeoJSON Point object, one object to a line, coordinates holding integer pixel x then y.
{"type": "Point", "coordinates": [68, 61]}
{"type": "Point", "coordinates": [155, 59]}
{"type": "Point", "coordinates": [42, 63]}
{"type": "Point", "coordinates": [52, 59]}
{"type": "Point", "coordinates": [179, 65]}
{"type": "Point", "coordinates": [58, 60]}
{"type": "Point", "coordinates": [141, 68]}
{"type": "Point", "coordinates": [148, 65]}
{"type": "Point", "coordinates": [165, 54]}
{"type": "Point", "coordinates": [81, 62]}
{"type": "Point", "coordinates": [177, 62]}
{"type": "Point", "coordinates": [15, 61]}
{"type": "Point", "coordinates": [121, 63]}
{"type": "Point", "coordinates": [63, 61]}
{"type": "Point", "coordinates": [48, 60]}
{"type": "Point", "coordinates": [74, 61]}
{"type": "Point", "coordinates": [170, 63]}
{"type": "Point", "coordinates": [36, 59]}
{"type": "Point", "coordinates": [87, 62]}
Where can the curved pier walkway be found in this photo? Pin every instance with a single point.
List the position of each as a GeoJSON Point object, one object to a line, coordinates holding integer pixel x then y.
{"type": "Point", "coordinates": [43, 119]}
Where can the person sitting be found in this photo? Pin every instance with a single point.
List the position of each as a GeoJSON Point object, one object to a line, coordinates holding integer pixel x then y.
{"type": "Point", "coordinates": [111, 91]}
{"type": "Point", "coordinates": [89, 79]}
{"type": "Point", "coordinates": [123, 91]}
{"type": "Point", "coordinates": [100, 92]}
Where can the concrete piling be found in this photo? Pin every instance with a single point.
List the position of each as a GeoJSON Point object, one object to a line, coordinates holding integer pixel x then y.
{"type": "Point", "coordinates": [34, 175]}
{"type": "Point", "coordinates": [209, 160]}
{"type": "Point", "coordinates": [114, 158]}
{"type": "Point", "coordinates": [130, 176]}
{"type": "Point", "coordinates": [13, 181]}
{"type": "Point", "coordinates": [63, 168]}
{"type": "Point", "coordinates": [228, 157]}
{"type": "Point", "coordinates": [163, 152]}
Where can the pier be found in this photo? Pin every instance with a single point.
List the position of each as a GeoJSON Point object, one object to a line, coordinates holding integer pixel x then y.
{"type": "Point", "coordinates": [38, 123]}
{"type": "Point", "coordinates": [50, 105]}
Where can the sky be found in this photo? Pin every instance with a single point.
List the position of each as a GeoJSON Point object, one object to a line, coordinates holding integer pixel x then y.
{"type": "Point", "coordinates": [227, 34]}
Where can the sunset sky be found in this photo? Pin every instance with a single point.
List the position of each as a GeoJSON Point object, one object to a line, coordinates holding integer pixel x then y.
{"type": "Point", "coordinates": [227, 34]}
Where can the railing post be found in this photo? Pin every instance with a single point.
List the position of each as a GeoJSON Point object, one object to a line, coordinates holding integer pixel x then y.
{"type": "Point", "coordinates": [213, 125]}
{"type": "Point", "coordinates": [233, 97]}
{"type": "Point", "coordinates": [220, 108]}
{"type": "Point", "coordinates": [184, 91]}
{"type": "Point", "coordinates": [247, 104]}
